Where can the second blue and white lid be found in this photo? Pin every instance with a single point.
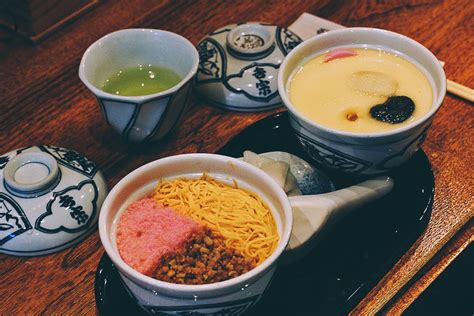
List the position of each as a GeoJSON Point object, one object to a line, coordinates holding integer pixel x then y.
{"type": "Point", "coordinates": [239, 63]}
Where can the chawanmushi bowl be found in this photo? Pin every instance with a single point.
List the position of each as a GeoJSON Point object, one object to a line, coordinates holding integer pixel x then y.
{"type": "Point", "coordinates": [361, 154]}
{"type": "Point", "coordinates": [237, 294]}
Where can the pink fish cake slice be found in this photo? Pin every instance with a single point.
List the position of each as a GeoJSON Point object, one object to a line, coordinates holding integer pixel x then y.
{"type": "Point", "coordinates": [147, 230]}
{"type": "Point", "coordinates": [339, 53]}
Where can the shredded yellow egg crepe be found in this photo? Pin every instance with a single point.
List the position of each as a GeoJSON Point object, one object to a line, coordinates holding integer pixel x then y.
{"type": "Point", "coordinates": [240, 216]}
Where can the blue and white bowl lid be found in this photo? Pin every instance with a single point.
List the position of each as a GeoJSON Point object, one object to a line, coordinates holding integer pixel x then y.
{"type": "Point", "coordinates": [50, 198]}
{"type": "Point", "coordinates": [239, 63]}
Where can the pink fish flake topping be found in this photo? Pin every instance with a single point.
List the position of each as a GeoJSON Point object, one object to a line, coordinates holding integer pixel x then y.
{"type": "Point", "coordinates": [147, 230]}
{"type": "Point", "coordinates": [339, 53]}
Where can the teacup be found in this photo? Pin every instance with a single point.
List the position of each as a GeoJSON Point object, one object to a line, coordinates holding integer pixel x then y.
{"type": "Point", "coordinates": [361, 154]}
{"type": "Point", "coordinates": [149, 117]}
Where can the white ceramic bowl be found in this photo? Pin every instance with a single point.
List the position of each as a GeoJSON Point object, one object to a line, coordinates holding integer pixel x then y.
{"type": "Point", "coordinates": [362, 153]}
{"type": "Point", "coordinates": [236, 294]}
{"type": "Point", "coordinates": [140, 118]}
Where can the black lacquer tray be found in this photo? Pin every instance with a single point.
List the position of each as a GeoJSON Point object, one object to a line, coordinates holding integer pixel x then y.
{"type": "Point", "coordinates": [451, 293]}
{"type": "Point", "coordinates": [347, 262]}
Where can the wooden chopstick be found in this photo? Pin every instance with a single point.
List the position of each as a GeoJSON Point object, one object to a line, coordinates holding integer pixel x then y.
{"type": "Point", "coordinates": [460, 90]}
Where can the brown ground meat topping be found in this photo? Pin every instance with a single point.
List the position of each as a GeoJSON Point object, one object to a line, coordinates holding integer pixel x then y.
{"type": "Point", "coordinates": [204, 259]}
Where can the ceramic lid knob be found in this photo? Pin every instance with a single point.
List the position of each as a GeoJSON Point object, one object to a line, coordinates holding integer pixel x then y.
{"type": "Point", "coordinates": [29, 174]}
{"type": "Point", "coordinates": [50, 198]}
{"type": "Point", "coordinates": [239, 63]}
{"type": "Point", "coordinates": [250, 41]}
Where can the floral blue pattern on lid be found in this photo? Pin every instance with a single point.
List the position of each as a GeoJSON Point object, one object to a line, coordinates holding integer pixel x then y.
{"type": "Point", "coordinates": [239, 63]}
{"type": "Point", "coordinates": [49, 199]}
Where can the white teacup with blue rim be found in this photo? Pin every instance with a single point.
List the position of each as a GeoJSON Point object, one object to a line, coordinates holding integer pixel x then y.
{"type": "Point", "coordinates": [152, 115]}
{"type": "Point", "coordinates": [361, 154]}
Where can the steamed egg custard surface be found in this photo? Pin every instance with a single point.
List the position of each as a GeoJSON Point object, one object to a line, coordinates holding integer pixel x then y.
{"type": "Point", "coordinates": [360, 90]}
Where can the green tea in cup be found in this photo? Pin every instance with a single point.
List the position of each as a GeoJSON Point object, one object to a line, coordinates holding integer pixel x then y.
{"type": "Point", "coordinates": [141, 80]}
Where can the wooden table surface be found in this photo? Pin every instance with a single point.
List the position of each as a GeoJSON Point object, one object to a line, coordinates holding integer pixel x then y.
{"type": "Point", "coordinates": [42, 101]}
